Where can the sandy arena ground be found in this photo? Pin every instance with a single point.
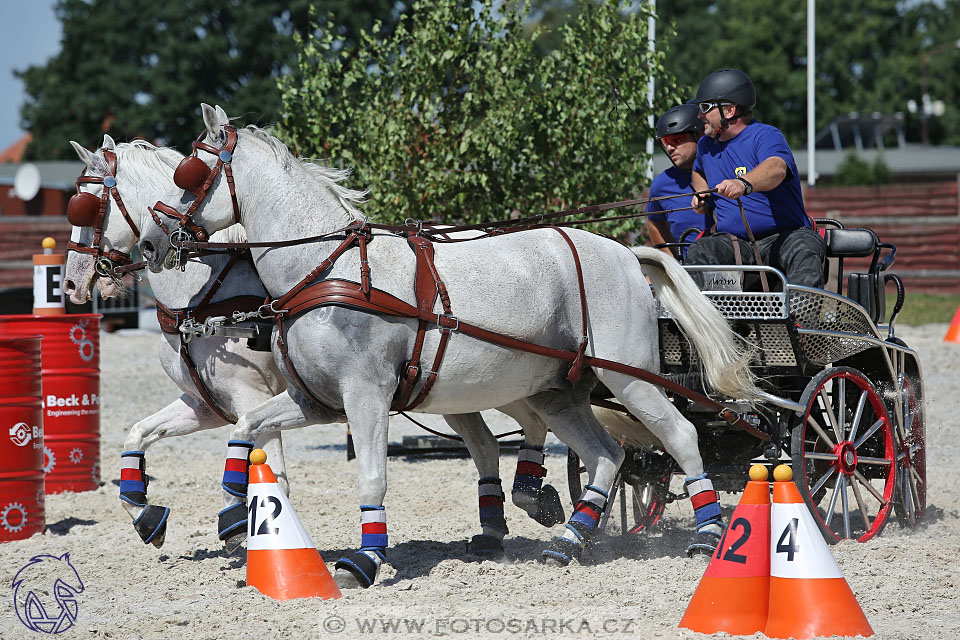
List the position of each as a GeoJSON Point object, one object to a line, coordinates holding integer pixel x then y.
{"type": "Point", "coordinates": [907, 581]}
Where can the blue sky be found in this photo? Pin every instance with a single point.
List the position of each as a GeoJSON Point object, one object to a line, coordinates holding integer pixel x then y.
{"type": "Point", "coordinates": [29, 35]}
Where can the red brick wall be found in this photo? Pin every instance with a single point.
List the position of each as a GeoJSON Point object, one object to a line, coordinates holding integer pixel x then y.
{"type": "Point", "coordinates": [922, 220]}
{"type": "Point", "coordinates": [48, 202]}
{"type": "Point", "coordinates": [20, 239]}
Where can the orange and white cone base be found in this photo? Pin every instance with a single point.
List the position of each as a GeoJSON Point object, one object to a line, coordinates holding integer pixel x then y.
{"type": "Point", "coordinates": [809, 596]}
{"type": "Point", "coordinates": [282, 561]}
{"type": "Point", "coordinates": [733, 594]}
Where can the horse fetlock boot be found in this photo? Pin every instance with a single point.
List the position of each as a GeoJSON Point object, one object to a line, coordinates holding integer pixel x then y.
{"type": "Point", "coordinates": [492, 521]}
{"type": "Point", "coordinates": [359, 569]}
{"type": "Point", "coordinates": [581, 528]}
{"type": "Point", "coordinates": [236, 468]}
{"type": "Point", "coordinates": [484, 546]}
{"type": "Point", "coordinates": [527, 484]}
{"type": "Point", "coordinates": [706, 511]}
{"type": "Point", "coordinates": [151, 524]}
{"type": "Point", "coordinates": [133, 478]}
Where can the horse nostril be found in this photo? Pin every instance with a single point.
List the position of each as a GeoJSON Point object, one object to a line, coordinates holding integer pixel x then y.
{"type": "Point", "coordinates": [147, 249]}
{"type": "Point", "coordinates": [69, 286]}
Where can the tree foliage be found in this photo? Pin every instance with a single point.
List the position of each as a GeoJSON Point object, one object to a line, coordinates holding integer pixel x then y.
{"type": "Point", "coordinates": [868, 56]}
{"type": "Point", "coordinates": [456, 117]}
{"type": "Point", "coordinates": [141, 67]}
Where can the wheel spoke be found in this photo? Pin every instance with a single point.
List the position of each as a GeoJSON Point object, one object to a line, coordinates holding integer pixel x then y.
{"type": "Point", "coordinates": [870, 488]}
{"type": "Point", "coordinates": [872, 430]}
{"type": "Point", "coordinates": [833, 501]}
{"type": "Point", "coordinates": [867, 460]}
{"type": "Point", "coordinates": [823, 480]}
{"type": "Point", "coordinates": [820, 432]}
{"type": "Point", "coordinates": [855, 424]}
{"type": "Point", "coordinates": [913, 482]}
{"type": "Point", "coordinates": [829, 457]}
{"type": "Point", "coordinates": [841, 403]}
{"type": "Point", "coordinates": [846, 507]}
{"type": "Point", "coordinates": [828, 409]}
{"type": "Point", "coordinates": [862, 507]}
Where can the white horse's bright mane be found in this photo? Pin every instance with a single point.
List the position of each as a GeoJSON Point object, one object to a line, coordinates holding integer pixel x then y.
{"type": "Point", "coordinates": [328, 176]}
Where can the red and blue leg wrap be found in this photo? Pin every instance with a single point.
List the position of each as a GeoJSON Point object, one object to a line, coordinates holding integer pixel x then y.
{"type": "Point", "coordinates": [491, 507]}
{"type": "Point", "coordinates": [133, 478]}
{"type": "Point", "coordinates": [236, 467]}
{"type": "Point", "coordinates": [706, 503]}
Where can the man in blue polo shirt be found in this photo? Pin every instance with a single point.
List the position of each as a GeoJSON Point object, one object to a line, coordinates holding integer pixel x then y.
{"type": "Point", "coordinates": [678, 131]}
{"type": "Point", "coordinates": [751, 162]}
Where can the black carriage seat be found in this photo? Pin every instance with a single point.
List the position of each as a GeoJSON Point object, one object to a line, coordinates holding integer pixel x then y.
{"type": "Point", "coordinates": [867, 289]}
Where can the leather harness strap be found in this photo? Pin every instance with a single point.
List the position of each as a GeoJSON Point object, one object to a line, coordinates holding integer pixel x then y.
{"type": "Point", "coordinates": [170, 320]}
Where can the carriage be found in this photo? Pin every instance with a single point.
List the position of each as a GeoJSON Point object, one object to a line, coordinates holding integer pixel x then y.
{"type": "Point", "coordinates": [844, 403]}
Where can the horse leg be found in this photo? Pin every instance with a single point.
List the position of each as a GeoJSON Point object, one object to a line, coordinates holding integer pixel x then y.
{"type": "Point", "coordinates": [182, 416]}
{"type": "Point", "coordinates": [256, 425]}
{"type": "Point", "coordinates": [650, 405]}
{"type": "Point", "coordinates": [368, 413]}
{"type": "Point", "coordinates": [485, 451]}
{"type": "Point", "coordinates": [541, 502]}
{"type": "Point", "coordinates": [571, 419]}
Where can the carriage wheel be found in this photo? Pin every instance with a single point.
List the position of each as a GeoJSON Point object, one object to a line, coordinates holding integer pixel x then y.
{"type": "Point", "coordinates": [844, 457]}
{"type": "Point", "coordinates": [648, 500]}
{"type": "Point", "coordinates": [911, 491]}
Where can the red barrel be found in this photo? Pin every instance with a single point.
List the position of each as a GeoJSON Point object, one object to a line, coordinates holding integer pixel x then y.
{"type": "Point", "coordinates": [21, 439]}
{"type": "Point", "coordinates": [71, 396]}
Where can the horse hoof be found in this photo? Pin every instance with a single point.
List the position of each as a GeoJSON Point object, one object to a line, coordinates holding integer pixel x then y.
{"type": "Point", "coordinates": [151, 524]}
{"type": "Point", "coordinates": [552, 560]}
{"type": "Point", "coordinates": [346, 580]}
{"type": "Point", "coordinates": [551, 509]}
{"type": "Point", "coordinates": [704, 544]}
{"type": "Point", "coordinates": [485, 547]}
{"type": "Point", "coordinates": [234, 542]}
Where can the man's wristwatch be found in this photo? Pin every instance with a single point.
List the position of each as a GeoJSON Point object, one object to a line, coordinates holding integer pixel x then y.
{"type": "Point", "coordinates": [747, 187]}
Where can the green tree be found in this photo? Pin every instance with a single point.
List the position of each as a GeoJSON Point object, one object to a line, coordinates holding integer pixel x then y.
{"type": "Point", "coordinates": [868, 56]}
{"type": "Point", "coordinates": [141, 67]}
{"type": "Point", "coordinates": [456, 117]}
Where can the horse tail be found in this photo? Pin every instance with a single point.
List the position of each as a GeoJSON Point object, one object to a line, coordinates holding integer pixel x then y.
{"type": "Point", "coordinates": [724, 356]}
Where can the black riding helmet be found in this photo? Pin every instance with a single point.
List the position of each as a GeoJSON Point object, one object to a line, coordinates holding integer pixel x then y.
{"type": "Point", "coordinates": [728, 85]}
{"type": "Point", "coordinates": [679, 119]}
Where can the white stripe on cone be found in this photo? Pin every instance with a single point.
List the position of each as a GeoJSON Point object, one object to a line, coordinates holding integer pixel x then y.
{"type": "Point", "coordinates": [271, 520]}
{"type": "Point", "coordinates": [797, 548]}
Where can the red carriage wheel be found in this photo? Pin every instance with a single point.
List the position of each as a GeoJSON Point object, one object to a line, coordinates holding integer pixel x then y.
{"type": "Point", "coordinates": [844, 457]}
{"type": "Point", "coordinates": [911, 491]}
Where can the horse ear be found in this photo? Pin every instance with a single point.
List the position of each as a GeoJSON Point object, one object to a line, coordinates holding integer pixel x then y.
{"type": "Point", "coordinates": [86, 156]}
{"type": "Point", "coordinates": [108, 143]}
{"type": "Point", "coordinates": [211, 119]}
{"type": "Point", "coordinates": [222, 115]}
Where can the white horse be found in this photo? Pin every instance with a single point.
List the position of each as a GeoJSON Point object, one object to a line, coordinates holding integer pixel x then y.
{"type": "Point", "coordinates": [523, 285]}
{"type": "Point", "coordinates": [238, 378]}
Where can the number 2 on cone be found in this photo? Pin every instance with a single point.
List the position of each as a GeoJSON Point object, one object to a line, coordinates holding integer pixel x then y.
{"type": "Point", "coordinates": [731, 554]}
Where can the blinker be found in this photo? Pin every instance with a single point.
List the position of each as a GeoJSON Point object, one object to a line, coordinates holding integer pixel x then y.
{"type": "Point", "coordinates": [190, 174]}
{"type": "Point", "coordinates": [82, 209]}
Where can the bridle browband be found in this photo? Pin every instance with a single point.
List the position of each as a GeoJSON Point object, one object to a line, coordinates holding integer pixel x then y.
{"type": "Point", "coordinates": [193, 175]}
{"type": "Point", "coordinates": [87, 210]}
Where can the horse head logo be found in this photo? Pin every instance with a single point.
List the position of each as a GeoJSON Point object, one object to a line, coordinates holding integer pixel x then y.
{"type": "Point", "coordinates": [45, 593]}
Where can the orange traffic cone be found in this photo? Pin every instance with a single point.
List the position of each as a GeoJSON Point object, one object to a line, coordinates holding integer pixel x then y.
{"type": "Point", "coordinates": [809, 596]}
{"type": "Point", "coordinates": [282, 561]}
{"type": "Point", "coordinates": [953, 333]}
{"type": "Point", "coordinates": [735, 589]}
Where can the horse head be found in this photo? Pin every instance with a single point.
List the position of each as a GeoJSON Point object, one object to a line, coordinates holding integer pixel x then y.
{"type": "Point", "coordinates": [35, 582]}
{"type": "Point", "coordinates": [109, 210]}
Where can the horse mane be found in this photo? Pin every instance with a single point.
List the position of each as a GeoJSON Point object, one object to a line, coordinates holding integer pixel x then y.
{"type": "Point", "coordinates": [327, 176]}
{"type": "Point", "coordinates": [160, 162]}
{"type": "Point", "coordinates": [233, 233]}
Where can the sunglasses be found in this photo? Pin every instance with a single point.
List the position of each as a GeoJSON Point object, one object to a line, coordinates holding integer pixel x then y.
{"type": "Point", "coordinates": [676, 139]}
{"type": "Point", "coordinates": [707, 106]}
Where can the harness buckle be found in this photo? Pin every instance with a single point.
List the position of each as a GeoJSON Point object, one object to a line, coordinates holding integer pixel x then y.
{"type": "Point", "coordinates": [448, 318]}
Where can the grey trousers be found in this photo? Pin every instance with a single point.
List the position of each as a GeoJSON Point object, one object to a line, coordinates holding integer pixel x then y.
{"type": "Point", "coordinates": [799, 253]}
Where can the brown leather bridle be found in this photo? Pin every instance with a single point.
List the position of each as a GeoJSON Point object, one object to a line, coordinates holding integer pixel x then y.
{"type": "Point", "coordinates": [193, 175]}
{"type": "Point", "coordinates": [87, 210]}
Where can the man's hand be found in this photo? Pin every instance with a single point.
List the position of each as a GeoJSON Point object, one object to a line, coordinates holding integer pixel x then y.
{"type": "Point", "coordinates": [732, 189]}
{"type": "Point", "coordinates": [702, 204]}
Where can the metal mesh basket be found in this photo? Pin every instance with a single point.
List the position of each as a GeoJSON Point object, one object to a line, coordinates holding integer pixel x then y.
{"type": "Point", "coordinates": [831, 327]}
